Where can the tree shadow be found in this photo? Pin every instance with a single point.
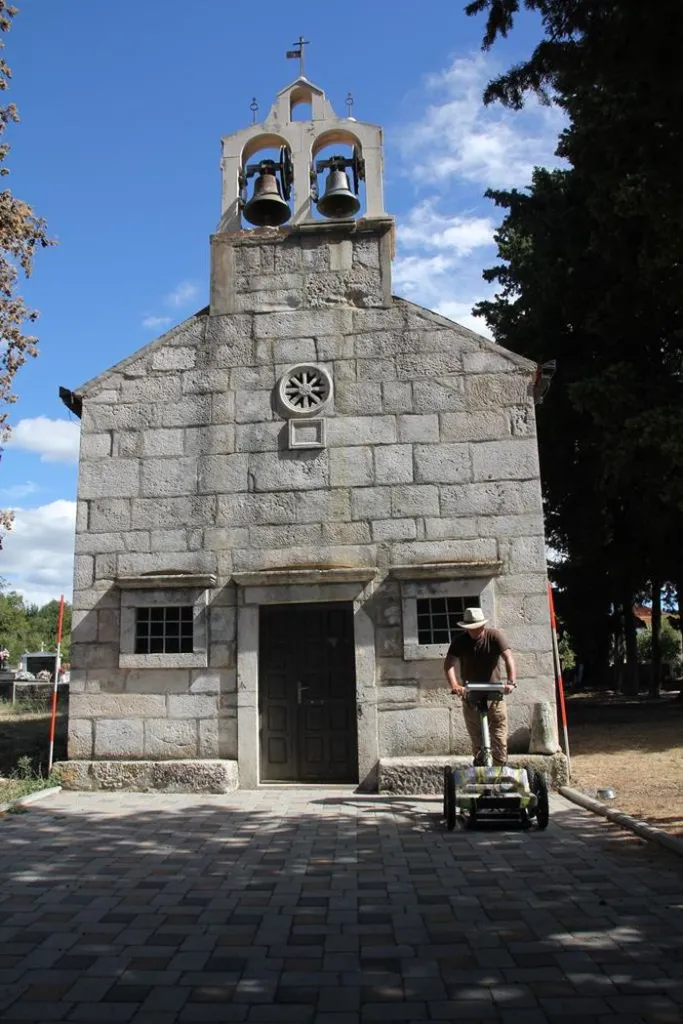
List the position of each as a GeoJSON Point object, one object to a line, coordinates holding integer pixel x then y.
{"type": "Point", "coordinates": [649, 726]}
{"type": "Point", "coordinates": [180, 908]}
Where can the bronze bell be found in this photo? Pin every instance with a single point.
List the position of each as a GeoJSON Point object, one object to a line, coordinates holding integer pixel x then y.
{"type": "Point", "coordinates": [339, 200]}
{"type": "Point", "coordinates": [266, 208]}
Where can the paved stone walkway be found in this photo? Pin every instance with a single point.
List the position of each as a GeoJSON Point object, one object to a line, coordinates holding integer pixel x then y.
{"type": "Point", "coordinates": [323, 907]}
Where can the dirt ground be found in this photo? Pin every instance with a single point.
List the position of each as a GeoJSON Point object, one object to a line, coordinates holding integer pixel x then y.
{"type": "Point", "coordinates": [634, 747]}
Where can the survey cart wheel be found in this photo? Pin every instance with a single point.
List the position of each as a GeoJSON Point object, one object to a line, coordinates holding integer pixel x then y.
{"type": "Point", "coordinates": [450, 804]}
{"type": "Point", "coordinates": [539, 787]}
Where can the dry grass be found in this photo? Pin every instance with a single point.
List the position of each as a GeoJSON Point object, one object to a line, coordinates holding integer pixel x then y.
{"type": "Point", "coordinates": [636, 749]}
{"type": "Point", "coordinates": [24, 738]}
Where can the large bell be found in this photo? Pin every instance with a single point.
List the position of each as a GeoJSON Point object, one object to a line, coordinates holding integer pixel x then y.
{"type": "Point", "coordinates": [266, 208]}
{"type": "Point", "coordinates": [339, 200]}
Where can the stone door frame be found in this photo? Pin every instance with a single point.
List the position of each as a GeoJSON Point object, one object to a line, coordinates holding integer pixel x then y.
{"type": "Point", "coordinates": [249, 600]}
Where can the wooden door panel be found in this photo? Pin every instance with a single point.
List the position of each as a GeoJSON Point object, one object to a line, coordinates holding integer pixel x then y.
{"type": "Point", "coordinates": [313, 754]}
{"type": "Point", "coordinates": [277, 719]}
{"type": "Point", "coordinates": [339, 750]}
{"type": "Point", "coordinates": [276, 688]}
{"type": "Point", "coordinates": [313, 719]}
{"type": "Point", "coordinates": [307, 693]}
{"type": "Point", "coordinates": [277, 707]}
{"type": "Point", "coordinates": [277, 750]}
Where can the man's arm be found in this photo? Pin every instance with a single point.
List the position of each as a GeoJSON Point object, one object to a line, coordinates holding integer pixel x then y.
{"type": "Point", "coordinates": [450, 668]}
{"type": "Point", "coordinates": [510, 669]}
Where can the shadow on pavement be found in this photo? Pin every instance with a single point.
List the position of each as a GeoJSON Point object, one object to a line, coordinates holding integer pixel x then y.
{"type": "Point", "coordinates": [328, 908]}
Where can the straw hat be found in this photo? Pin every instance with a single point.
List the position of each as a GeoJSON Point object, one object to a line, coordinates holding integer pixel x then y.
{"type": "Point", "coordinates": [474, 618]}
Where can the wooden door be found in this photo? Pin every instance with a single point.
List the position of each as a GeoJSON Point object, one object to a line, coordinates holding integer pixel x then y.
{"type": "Point", "coordinates": [307, 693]}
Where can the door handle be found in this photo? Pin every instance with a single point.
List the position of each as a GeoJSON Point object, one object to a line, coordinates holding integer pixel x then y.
{"type": "Point", "coordinates": [299, 692]}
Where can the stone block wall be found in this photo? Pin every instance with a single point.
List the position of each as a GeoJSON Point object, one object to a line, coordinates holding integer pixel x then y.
{"type": "Point", "coordinates": [431, 457]}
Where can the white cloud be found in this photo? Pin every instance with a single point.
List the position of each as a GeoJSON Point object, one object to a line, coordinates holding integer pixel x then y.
{"type": "Point", "coordinates": [461, 312]}
{"type": "Point", "coordinates": [439, 283]}
{"type": "Point", "coordinates": [458, 143]}
{"type": "Point", "coordinates": [181, 295]}
{"type": "Point", "coordinates": [434, 266]}
{"type": "Point", "coordinates": [18, 491]}
{"type": "Point", "coordinates": [53, 440]}
{"type": "Point", "coordinates": [37, 555]}
{"type": "Point", "coordinates": [459, 137]}
{"type": "Point", "coordinates": [427, 228]}
{"type": "Point", "coordinates": [156, 323]}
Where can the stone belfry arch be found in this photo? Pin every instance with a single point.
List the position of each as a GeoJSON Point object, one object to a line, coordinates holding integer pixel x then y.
{"type": "Point", "coordinates": [303, 140]}
{"type": "Point", "coordinates": [311, 150]}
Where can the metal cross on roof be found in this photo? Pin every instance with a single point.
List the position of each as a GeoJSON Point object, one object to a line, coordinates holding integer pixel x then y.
{"type": "Point", "coordinates": [298, 54]}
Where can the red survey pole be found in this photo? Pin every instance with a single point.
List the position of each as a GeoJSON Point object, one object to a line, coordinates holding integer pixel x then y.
{"type": "Point", "coordinates": [55, 685]}
{"type": "Point", "coordinates": [558, 674]}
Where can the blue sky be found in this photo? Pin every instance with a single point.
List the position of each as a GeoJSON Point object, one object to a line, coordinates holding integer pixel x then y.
{"type": "Point", "coordinates": [118, 148]}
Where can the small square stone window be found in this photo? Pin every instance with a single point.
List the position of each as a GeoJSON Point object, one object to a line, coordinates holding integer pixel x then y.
{"type": "Point", "coordinates": [432, 609]}
{"type": "Point", "coordinates": [438, 618]}
{"type": "Point", "coordinates": [165, 630]}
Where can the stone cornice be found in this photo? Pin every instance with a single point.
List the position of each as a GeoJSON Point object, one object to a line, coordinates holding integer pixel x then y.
{"type": "Point", "coordinates": [446, 570]}
{"type": "Point", "coordinates": [289, 577]}
{"type": "Point", "coordinates": [162, 581]}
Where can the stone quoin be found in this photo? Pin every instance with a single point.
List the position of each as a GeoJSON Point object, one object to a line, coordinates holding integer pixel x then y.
{"type": "Point", "coordinates": [286, 502]}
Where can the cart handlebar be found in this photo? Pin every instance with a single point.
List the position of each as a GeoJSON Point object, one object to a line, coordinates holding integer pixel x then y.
{"type": "Point", "coordinates": [485, 691]}
{"type": "Point", "coordinates": [480, 687]}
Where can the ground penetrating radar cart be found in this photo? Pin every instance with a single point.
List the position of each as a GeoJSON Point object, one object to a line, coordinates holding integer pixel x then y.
{"type": "Point", "coordinates": [488, 793]}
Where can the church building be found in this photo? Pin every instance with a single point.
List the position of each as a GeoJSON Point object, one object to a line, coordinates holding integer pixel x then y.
{"type": "Point", "coordinates": [286, 502]}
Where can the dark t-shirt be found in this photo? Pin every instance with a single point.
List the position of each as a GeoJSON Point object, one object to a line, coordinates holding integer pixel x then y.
{"type": "Point", "coordinates": [479, 658]}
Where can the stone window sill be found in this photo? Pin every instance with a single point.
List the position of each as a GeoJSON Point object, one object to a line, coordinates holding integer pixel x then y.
{"type": "Point", "coordinates": [198, 659]}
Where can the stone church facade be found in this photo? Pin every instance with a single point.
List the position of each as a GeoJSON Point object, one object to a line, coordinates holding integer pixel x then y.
{"type": "Point", "coordinates": [286, 502]}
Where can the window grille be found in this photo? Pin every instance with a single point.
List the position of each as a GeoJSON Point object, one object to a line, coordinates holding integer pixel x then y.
{"type": "Point", "coordinates": [164, 630]}
{"type": "Point", "coordinates": [438, 618]}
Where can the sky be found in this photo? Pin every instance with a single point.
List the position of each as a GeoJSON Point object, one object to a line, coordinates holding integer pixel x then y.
{"type": "Point", "coordinates": [122, 108]}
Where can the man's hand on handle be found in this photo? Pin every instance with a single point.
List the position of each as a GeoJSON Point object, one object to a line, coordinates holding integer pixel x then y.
{"type": "Point", "coordinates": [461, 691]}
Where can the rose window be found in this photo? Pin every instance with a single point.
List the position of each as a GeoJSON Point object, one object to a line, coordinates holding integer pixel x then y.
{"type": "Point", "coordinates": [305, 389]}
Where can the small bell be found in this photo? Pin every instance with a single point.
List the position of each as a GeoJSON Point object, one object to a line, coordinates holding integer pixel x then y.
{"type": "Point", "coordinates": [266, 208]}
{"type": "Point", "coordinates": [338, 200]}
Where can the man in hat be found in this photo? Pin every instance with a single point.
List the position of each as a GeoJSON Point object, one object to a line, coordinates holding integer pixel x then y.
{"type": "Point", "coordinates": [477, 652]}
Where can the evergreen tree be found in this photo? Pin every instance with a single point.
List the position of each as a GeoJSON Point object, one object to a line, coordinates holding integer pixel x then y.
{"type": "Point", "coordinates": [592, 275]}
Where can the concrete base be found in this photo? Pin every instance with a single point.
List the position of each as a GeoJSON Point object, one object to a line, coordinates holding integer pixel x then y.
{"type": "Point", "coordinates": [407, 775]}
{"type": "Point", "coordinates": [142, 776]}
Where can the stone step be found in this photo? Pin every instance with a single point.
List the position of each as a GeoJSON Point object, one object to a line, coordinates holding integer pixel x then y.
{"type": "Point", "coordinates": [408, 775]}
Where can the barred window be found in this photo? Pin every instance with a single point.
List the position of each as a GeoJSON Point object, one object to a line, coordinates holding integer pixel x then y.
{"type": "Point", "coordinates": [164, 630]}
{"type": "Point", "coordinates": [438, 617]}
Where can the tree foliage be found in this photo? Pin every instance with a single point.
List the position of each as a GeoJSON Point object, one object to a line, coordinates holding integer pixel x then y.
{"type": "Point", "coordinates": [670, 645]}
{"type": "Point", "coordinates": [28, 627]}
{"type": "Point", "coordinates": [21, 233]}
{"type": "Point", "coordinates": [591, 273]}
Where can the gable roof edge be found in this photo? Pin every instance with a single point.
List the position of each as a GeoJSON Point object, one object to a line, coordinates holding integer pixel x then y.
{"type": "Point", "coordinates": [439, 320]}
{"type": "Point", "coordinates": [97, 382]}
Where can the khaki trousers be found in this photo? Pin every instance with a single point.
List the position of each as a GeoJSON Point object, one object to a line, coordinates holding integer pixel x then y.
{"type": "Point", "coordinates": [498, 728]}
